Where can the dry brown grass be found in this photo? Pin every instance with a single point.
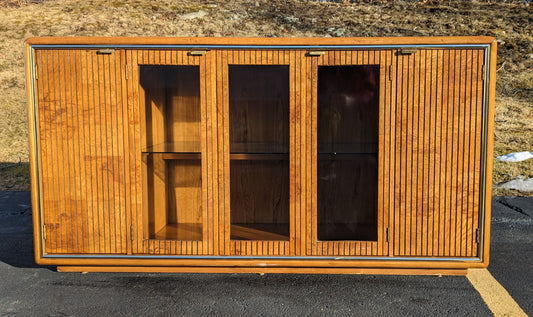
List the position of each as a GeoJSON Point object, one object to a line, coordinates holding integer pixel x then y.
{"type": "Point", "coordinates": [508, 22]}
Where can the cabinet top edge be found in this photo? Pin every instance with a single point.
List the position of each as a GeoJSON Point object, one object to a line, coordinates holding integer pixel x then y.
{"type": "Point", "coordinates": [257, 41]}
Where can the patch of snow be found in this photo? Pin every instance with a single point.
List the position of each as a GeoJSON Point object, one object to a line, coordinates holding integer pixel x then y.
{"type": "Point", "coordinates": [516, 157]}
{"type": "Point", "coordinates": [521, 184]}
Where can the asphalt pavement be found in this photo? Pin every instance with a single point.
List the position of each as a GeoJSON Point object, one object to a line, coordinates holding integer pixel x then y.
{"type": "Point", "coordinates": [27, 289]}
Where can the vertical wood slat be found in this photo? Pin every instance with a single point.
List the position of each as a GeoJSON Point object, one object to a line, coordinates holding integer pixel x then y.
{"type": "Point", "coordinates": [437, 142]}
{"type": "Point", "coordinates": [74, 94]}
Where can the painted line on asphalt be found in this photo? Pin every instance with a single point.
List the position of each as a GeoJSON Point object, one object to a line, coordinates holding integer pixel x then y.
{"type": "Point", "coordinates": [494, 294]}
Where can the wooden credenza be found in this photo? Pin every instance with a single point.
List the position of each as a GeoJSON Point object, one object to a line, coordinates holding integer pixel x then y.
{"type": "Point", "coordinates": [306, 155]}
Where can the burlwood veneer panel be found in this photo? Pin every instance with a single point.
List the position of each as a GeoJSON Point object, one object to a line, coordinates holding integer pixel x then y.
{"type": "Point", "coordinates": [79, 102]}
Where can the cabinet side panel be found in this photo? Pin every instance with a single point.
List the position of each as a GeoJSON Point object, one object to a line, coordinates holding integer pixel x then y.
{"type": "Point", "coordinates": [83, 170]}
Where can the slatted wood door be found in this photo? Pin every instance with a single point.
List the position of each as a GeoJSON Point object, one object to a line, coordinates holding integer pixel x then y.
{"type": "Point", "coordinates": [347, 191]}
{"type": "Point", "coordinates": [84, 142]}
{"type": "Point", "coordinates": [436, 132]}
{"type": "Point", "coordinates": [171, 95]}
{"type": "Point", "coordinates": [259, 137]}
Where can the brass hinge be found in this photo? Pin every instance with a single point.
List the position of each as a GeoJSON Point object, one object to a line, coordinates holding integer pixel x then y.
{"type": "Point", "coordinates": [131, 232]}
{"type": "Point", "coordinates": [105, 51]}
{"type": "Point", "coordinates": [35, 72]}
{"type": "Point", "coordinates": [44, 232]}
{"type": "Point", "coordinates": [197, 52]}
{"type": "Point", "coordinates": [126, 70]}
{"type": "Point", "coordinates": [478, 236]}
{"type": "Point", "coordinates": [315, 53]}
{"type": "Point", "coordinates": [387, 234]}
{"type": "Point", "coordinates": [484, 72]}
{"type": "Point", "coordinates": [408, 51]}
{"type": "Point", "coordinates": [390, 72]}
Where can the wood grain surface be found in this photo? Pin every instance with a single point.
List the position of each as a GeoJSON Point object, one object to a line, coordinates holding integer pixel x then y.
{"type": "Point", "coordinates": [160, 152]}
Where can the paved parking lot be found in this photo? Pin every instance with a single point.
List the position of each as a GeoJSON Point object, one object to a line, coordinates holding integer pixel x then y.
{"type": "Point", "coordinates": [29, 290]}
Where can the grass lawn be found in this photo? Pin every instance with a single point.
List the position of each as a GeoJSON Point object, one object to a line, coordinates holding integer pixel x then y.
{"type": "Point", "coordinates": [510, 23]}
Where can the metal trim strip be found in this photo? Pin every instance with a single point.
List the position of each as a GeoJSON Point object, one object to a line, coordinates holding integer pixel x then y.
{"type": "Point", "coordinates": [313, 47]}
{"type": "Point", "coordinates": [303, 258]}
{"type": "Point", "coordinates": [37, 149]}
{"type": "Point", "coordinates": [484, 143]}
{"type": "Point", "coordinates": [483, 162]}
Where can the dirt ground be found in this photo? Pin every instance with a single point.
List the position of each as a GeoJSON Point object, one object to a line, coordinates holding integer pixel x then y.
{"type": "Point", "coordinates": [510, 23]}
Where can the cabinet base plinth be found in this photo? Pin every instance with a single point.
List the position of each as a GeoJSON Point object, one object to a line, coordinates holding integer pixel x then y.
{"type": "Point", "coordinates": [261, 270]}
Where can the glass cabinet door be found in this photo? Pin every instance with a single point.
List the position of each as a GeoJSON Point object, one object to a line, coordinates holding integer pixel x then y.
{"type": "Point", "coordinates": [257, 111]}
{"type": "Point", "coordinates": [172, 109]}
{"type": "Point", "coordinates": [348, 105]}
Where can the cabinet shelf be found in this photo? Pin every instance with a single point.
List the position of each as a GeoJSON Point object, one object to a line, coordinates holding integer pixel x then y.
{"type": "Point", "coordinates": [180, 231]}
{"type": "Point", "coordinates": [259, 156]}
{"type": "Point", "coordinates": [174, 147]}
{"type": "Point", "coordinates": [177, 156]}
{"type": "Point", "coordinates": [259, 231]}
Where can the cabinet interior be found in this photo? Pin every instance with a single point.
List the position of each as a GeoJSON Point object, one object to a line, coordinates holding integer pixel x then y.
{"type": "Point", "coordinates": [171, 154]}
{"type": "Point", "coordinates": [259, 152]}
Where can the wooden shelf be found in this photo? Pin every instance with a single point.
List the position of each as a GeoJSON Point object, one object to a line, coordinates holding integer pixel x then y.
{"type": "Point", "coordinates": [180, 231]}
{"type": "Point", "coordinates": [181, 156]}
{"type": "Point", "coordinates": [259, 231]}
{"type": "Point", "coordinates": [261, 156]}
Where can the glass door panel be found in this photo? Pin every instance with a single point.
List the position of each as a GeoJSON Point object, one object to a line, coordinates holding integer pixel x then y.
{"type": "Point", "coordinates": [172, 153]}
{"type": "Point", "coordinates": [350, 98]}
{"type": "Point", "coordinates": [347, 105]}
{"type": "Point", "coordinates": [259, 152]}
{"type": "Point", "coordinates": [172, 101]}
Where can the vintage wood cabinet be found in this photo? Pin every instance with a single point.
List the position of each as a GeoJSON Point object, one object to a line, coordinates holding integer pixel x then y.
{"type": "Point", "coordinates": [334, 155]}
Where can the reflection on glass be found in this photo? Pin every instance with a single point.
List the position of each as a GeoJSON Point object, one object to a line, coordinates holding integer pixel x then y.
{"type": "Point", "coordinates": [259, 152]}
{"type": "Point", "coordinates": [348, 110]}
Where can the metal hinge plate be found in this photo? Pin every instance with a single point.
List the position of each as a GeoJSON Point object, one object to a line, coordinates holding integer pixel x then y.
{"type": "Point", "coordinates": [315, 53]}
{"type": "Point", "coordinates": [408, 51]}
{"type": "Point", "coordinates": [387, 234]}
{"type": "Point", "coordinates": [131, 232]}
{"type": "Point", "coordinates": [478, 236]}
{"type": "Point", "coordinates": [197, 52]}
{"type": "Point", "coordinates": [105, 51]}
{"type": "Point", "coordinates": [44, 232]}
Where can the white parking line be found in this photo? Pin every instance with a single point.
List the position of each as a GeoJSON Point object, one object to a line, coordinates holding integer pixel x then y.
{"type": "Point", "coordinates": [494, 294]}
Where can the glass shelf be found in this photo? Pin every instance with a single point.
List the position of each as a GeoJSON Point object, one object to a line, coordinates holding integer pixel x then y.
{"type": "Point", "coordinates": [174, 147]}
